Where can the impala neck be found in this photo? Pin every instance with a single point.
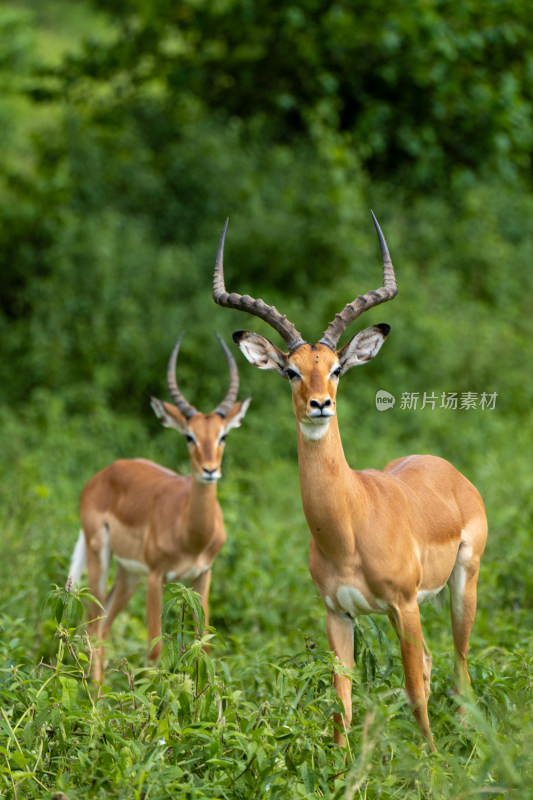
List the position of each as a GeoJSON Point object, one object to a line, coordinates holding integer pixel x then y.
{"type": "Point", "coordinates": [330, 489]}
{"type": "Point", "coordinates": [202, 513]}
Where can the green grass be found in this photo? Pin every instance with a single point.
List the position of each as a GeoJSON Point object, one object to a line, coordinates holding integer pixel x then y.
{"type": "Point", "coordinates": [254, 718]}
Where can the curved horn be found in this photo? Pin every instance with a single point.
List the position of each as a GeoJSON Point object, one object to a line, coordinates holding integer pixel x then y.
{"type": "Point", "coordinates": [186, 409]}
{"type": "Point", "coordinates": [230, 398]}
{"type": "Point", "coordinates": [362, 303]}
{"type": "Point", "coordinates": [257, 308]}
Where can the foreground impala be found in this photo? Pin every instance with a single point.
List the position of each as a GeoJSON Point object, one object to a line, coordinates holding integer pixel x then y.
{"type": "Point", "coordinates": [381, 541]}
{"type": "Point", "coordinates": [155, 521]}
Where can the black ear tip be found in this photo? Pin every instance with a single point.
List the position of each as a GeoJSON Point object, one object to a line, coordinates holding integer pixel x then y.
{"type": "Point", "coordinates": [237, 336]}
{"type": "Point", "coordinates": [384, 328]}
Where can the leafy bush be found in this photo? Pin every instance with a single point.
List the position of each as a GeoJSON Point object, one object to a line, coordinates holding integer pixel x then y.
{"type": "Point", "coordinates": [190, 727]}
{"type": "Point", "coordinates": [423, 92]}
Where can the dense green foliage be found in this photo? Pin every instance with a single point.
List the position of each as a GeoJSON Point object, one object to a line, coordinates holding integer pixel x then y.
{"type": "Point", "coordinates": [419, 88]}
{"type": "Point", "coordinates": [122, 156]}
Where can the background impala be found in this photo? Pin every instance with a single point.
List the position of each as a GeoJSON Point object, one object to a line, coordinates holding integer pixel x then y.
{"type": "Point", "coordinates": [381, 541]}
{"type": "Point", "coordinates": [154, 521]}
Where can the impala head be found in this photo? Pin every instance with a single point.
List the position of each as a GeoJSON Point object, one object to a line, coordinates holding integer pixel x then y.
{"type": "Point", "coordinates": [205, 433]}
{"type": "Point", "coordinates": [312, 370]}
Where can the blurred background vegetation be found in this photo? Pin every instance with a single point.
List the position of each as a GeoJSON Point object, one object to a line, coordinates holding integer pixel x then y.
{"type": "Point", "coordinates": [129, 132]}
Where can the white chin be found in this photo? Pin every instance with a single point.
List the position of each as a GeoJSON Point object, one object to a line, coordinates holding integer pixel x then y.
{"type": "Point", "coordinates": [315, 429]}
{"type": "Point", "coordinates": [204, 479]}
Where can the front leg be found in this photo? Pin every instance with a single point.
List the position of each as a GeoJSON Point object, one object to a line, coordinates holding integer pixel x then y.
{"type": "Point", "coordinates": [201, 586]}
{"type": "Point", "coordinates": [406, 622]}
{"type": "Point", "coordinates": [340, 637]}
{"type": "Point", "coordinates": [154, 601]}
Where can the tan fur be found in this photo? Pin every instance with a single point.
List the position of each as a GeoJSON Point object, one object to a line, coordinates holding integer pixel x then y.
{"type": "Point", "coordinates": [379, 537]}
{"type": "Point", "coordinates": [156, 522]}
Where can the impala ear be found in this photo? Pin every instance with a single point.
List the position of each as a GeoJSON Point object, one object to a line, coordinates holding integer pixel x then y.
{"type": "Point", "coordinates": [260, 351]}
{"type": "Point", "coordinates": [169, 416]}
{"type": "Point", "coordinates": [363, 346]}
{"type": "Point", "coordinates": [236, 414]}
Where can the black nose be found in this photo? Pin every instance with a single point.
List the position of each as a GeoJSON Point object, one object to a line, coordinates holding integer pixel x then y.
{"type": "Point", "coordinates": [316, 404]}
{"type": "Point", "coordinates": [209, 471]}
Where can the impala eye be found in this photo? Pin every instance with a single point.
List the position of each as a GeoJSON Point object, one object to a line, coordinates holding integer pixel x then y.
{"type": "Point", "coordinates": [223, 438]}
{"type": "Point", "coordinates": [337, 372]}
{"type": "Point", "coordinates": [290, 374]}
{"type": "Point", "coordinates": [190, 439]}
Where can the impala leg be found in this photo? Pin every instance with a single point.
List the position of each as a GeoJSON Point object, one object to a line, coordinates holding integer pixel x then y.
{"type": "Point", "coordinates": [427, 662]}
{"type": "Point", "coordinates": [98, 557]}
{"type": "Point", "coordinates": [463, 601]}
{"type": "Point", "coordinates": [340, 637]}
{"type": "Point", "coordinates": [416, 665]}
{"type": "Point", "coordinates": [154, 603]}
{"type": "Point", "coordinates": [123, 588]}
{"type": "Point", "coordinates": [201, 585]}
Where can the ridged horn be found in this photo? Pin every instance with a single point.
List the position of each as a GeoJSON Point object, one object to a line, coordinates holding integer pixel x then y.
{"type": "Point", "coordinates": [231, 396]}
{"type": "Point", "coordinates": [256, 308]}
{"type": "Point", "coordinates": [362, 303]}
{"type": "Point", "coordinates": [186, 408]}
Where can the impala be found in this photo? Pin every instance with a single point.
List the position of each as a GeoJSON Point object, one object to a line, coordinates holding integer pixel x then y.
{"type": "Point", "coordinates": [154, 521]}
{"type": "Point", "coordinates": [382, 541]}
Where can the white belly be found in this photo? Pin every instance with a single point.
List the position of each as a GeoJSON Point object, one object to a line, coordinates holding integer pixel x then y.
{"type": "Point", "coordinates": [131, 566]}
{"type": "Point", "coordinates": [188, 575]}
{"type": "Point", "coordinates": [427, 594]}
{"type": "Point", "coordinates": [173, 576]}
{"type": "Point", "coordinates": [353, 602]}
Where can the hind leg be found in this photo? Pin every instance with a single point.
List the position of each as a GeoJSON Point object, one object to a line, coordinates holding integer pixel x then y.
{"type": "Point", "coordinates": [463, 600]}
{"type": "Point", "coordinates": [427, 662]}
{"type": "Point", "coordinates": [123, 588]}
{"type": "Point", "coordinates": [98, 558]}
